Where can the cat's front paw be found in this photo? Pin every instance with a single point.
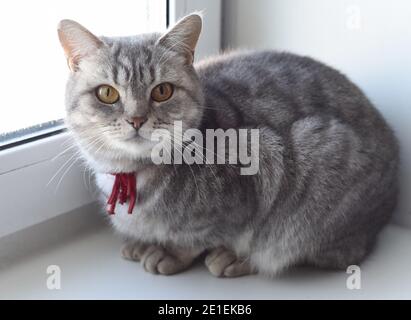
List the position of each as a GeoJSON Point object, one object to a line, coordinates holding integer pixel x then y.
{"type": "Point", "coordinates": [133, 250]}
{"type": "Point", "coordinates": [158, 259]}
{"type": "Point", "coordinates": [222, 262]}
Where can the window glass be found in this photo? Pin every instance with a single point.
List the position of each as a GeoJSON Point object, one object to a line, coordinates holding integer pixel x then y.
{"type": "Point", "coordinates": [32, 63]}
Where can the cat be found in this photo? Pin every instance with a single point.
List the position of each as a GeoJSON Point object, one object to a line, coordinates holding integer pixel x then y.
{"type": "Point", "coordinates": [327, 178]}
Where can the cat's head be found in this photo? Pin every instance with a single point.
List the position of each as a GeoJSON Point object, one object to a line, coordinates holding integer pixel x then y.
{"type": "Point", "coordinates": [122, 89]}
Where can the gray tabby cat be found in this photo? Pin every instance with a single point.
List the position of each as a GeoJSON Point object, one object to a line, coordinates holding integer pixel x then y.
{"type": "Point", "coordinates": [327, 179]}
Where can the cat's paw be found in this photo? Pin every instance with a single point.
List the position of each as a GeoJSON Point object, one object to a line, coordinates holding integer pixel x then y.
{"type": "Point", "coordinates": [133, 250]}
{"type": "Point", "coordinates": [158, 259]}
{"type": "Point", "coordinates": [222, 262]}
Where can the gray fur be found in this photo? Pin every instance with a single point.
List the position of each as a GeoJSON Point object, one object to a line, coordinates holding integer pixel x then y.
{"type": "Point", "coordinates": [327, 181]}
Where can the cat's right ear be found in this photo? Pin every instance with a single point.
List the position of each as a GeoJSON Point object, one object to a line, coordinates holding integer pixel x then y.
{"type": "Point", "coordinates": [77, 42]}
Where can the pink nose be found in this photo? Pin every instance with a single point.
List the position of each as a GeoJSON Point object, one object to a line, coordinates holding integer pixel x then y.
{"type": "Point", "coordinates": [137, 122]}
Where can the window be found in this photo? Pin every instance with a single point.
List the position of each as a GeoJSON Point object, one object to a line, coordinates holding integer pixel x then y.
{"type": "Point", "coordinates": [32, 64]}
{"type": "Point", "coordinates": [40, 177]}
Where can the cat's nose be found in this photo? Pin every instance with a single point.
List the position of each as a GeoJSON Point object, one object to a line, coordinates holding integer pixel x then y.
{"type": "Point", "coordinates": [137, 122]}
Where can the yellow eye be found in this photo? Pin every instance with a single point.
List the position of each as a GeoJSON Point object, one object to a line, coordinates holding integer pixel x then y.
{"type": "Point", "coordinates": [107, 94]}
{"type": "Point", "coordinates": [162, 92]}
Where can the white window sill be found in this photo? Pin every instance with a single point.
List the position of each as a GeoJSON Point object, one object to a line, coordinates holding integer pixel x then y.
{"type": "Point", "coordinates": [88, 254]}
{"type": "Point", "coordinates": [41, 180]}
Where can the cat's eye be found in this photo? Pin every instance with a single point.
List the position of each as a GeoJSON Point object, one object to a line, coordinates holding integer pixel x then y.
{"type": "Point", "coordinates": [107, 94]}
{"type": "Point", "coordinates": [162, 92]}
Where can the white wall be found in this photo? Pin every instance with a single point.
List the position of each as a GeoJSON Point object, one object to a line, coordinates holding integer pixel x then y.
{"type": "Point", "coordinates": [369, 40]}
{"type": "Point", "coordinates": [210, 38]}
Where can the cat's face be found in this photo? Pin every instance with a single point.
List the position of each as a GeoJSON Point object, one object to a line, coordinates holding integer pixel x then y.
{"type": "Point", "coordinates": [122, 89]}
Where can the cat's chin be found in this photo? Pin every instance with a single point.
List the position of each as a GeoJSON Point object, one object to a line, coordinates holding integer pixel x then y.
{"type": "Point", "coordinates": [119, 162]}
{"type": "Point", "coordinates": [134, 149]}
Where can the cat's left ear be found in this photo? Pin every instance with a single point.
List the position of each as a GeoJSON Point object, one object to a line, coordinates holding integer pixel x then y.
{"type": "Point", "coordinates": [77, 42]}
{"type": "Point", "coordinates": [183, 36]}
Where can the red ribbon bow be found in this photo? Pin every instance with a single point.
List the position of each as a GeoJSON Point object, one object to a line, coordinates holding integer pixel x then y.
{"type": "Point", "coordinates": [124, 188]}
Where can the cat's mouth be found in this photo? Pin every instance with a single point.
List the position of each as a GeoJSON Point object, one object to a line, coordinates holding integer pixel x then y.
{"type": "Point", "coordinates": [140, 142]}
{"type": "Point", "coordinates": [137, 137]}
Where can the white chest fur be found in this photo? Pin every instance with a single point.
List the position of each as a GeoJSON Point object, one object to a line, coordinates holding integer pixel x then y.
{"type": "Point", "coordinates": [143, 224]}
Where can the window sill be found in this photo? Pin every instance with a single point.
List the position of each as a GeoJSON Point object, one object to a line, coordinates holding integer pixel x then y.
{"type": "Point", "coordinates": [91, 268]}
{"type": "Point", "coordinates": [40, 180]}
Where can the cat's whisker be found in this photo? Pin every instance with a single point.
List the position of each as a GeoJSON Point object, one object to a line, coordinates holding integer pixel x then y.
{"type": "Point", "coordinates": [184, 144]}
{"type": "Point", "coordinates": [60, 169]}
{"type": "Point", "coordinates": [77, 153]}
{"type": "Point", "coordinates": [65, 173]}
{"type": "Point", "coordinates": [205, 148]}
{"type": "Point", "coordinates": [69, 140]}
{"type": "Point", "coordinates": [102, 144]}
{"type": "Point", "coordinates": [63, 152]}
{"type": "Point", "coordinates": [181, 143]}
{"type": "Point", "coordinates": [216, 154]}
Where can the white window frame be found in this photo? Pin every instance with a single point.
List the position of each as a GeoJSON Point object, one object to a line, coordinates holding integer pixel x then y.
{"type": "Point", "coordinates": [26, 196]}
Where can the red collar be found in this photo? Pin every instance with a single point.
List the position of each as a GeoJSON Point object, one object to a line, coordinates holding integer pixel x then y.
{"type": "Point", "coordinates": [124, 188]}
